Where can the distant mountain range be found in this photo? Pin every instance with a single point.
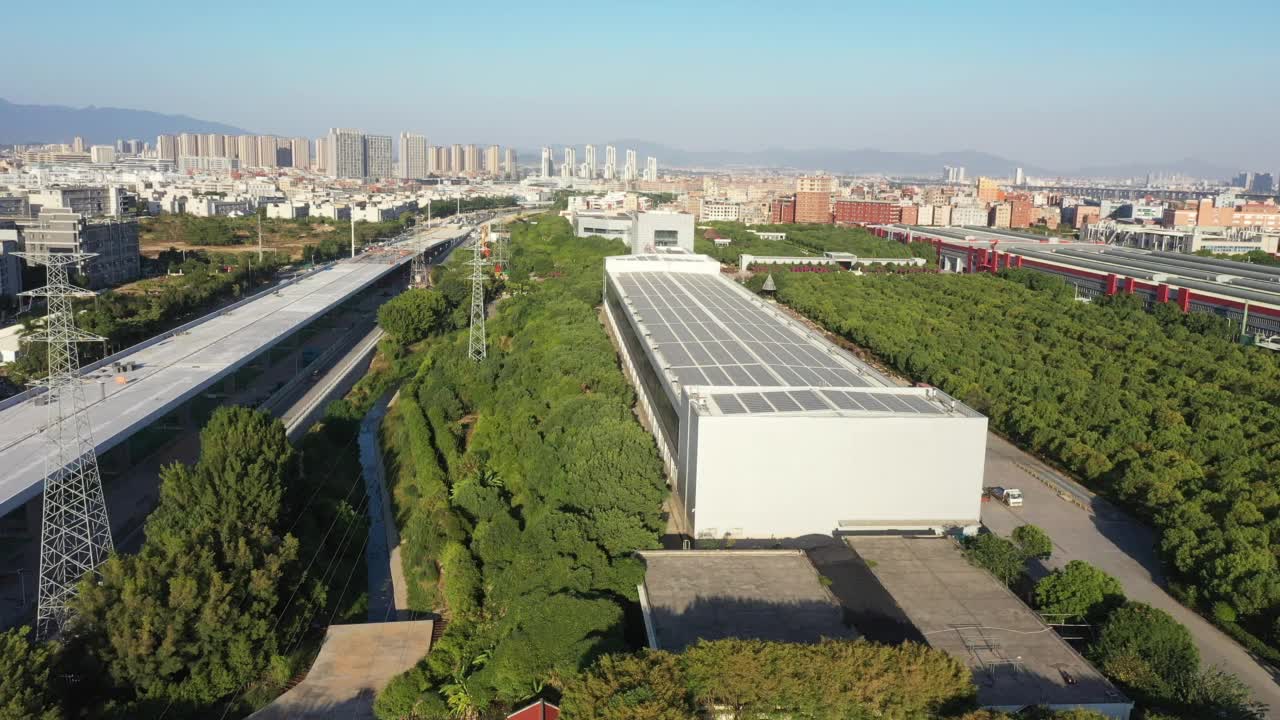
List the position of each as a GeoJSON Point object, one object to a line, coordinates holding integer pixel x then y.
{"type": "Point", "coordinates": [56, 123]}
{"type": "Point", "coordinates": [28, 124]}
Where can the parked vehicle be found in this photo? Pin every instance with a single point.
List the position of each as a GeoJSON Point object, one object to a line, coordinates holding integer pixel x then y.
{"type": "Point", "coordinates": [1009, 496]}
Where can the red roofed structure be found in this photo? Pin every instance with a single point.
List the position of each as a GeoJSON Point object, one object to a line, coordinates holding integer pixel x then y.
{"type": "Point", "coordinates": [540, 710]}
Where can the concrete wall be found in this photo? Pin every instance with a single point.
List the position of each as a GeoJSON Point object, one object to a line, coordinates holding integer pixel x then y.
{"type": "Point", "coordinates": [785, 476]}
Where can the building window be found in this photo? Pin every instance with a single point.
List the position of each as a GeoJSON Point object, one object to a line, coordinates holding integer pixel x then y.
{"type": "Point", "coordinates": [666, 238]}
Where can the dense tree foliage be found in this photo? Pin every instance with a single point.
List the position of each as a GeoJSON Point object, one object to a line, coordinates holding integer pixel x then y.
{"type": "Point", "coordinates": [1078, 591]}
{"type": "Point", "coordinates": [200, 610]}
{"type": "Point", "coordinates": [27, 683]}
{"type": "Point", "coordinates": [807, 240]}
{"type": "Point", "coordinates": [414, 314]}
{"type": "Point", "coordinates": [1178, 424]}
{"type": "Point", "coordinates": [523, 485]}
{"type": "Point", "coordinates": [846, 680]}
{"type": "Point", "coordinates": [1153, 657]}
{"type": "Point", "coordinates": [998, 556]}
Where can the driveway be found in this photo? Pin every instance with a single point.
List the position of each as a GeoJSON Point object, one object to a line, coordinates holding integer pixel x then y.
{"type": "Point", "coordinates": [1106, 537]}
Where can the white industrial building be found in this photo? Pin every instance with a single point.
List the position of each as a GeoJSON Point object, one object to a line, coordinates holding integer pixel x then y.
{"type": "Point", "coordinates": [643, 232]}
{"type": "Point", "coordinates": [767, 430]}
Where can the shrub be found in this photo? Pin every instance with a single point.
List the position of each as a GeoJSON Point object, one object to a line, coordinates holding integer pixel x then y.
{"type": "Point", "coordinates": [1033, 542]}
{"type": "Point", "coordinates": [1079, 589]}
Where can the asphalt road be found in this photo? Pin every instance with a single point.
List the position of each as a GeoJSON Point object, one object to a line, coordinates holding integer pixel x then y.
{"type": "Point", "coordinates": [1106, 537]}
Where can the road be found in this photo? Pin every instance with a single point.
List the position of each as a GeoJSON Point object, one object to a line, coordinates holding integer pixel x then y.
{"type": "Point", "coordinates": [180, 364]}
{"type": "Point", "coordinates": [1106, 537]}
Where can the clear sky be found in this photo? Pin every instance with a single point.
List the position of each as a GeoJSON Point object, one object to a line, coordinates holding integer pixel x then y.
{"type": "Point", "coordinates": [1050, 84]}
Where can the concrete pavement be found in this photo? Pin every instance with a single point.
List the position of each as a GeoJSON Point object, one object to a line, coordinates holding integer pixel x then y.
{"type": "Point", "coordinates": [1111, 540]}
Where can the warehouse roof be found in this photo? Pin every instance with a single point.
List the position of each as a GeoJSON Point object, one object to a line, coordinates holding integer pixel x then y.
{"type": "Point", "coordinates": [706, 331]}
{"type": "Point", "coordinates": [691, 595]}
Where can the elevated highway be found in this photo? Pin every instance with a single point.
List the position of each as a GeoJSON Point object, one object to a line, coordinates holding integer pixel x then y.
{"type": "Point", "coordinates": [176, 366]}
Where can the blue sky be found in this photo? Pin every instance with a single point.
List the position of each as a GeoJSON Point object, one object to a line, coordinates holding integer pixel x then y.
{"type": "Point", "coordinates": [1056, 84]}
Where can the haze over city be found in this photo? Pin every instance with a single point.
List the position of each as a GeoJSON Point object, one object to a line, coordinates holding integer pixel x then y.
{"type": "Point", "coordinates": [1051, 86]}
{"type": "Point", "coordinates": [569, 361]}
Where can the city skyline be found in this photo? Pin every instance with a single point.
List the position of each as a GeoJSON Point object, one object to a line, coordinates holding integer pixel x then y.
{"type": "Point", "coordinates": [1024, 82]}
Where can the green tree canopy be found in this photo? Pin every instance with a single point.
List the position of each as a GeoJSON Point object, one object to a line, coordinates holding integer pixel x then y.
{"type": "Point", "coordinates": [27, 689]}
{"type": "Point", "coordinates": [998, 556]}
{"type": "Point", "coordinates": [198, 612]}
{"type": "Point", "coordinates": [1146, 650]}
{"type": "Point", "coordinates": [1033, 542]}
{"type": "Point", "coordinates": [1079, 589]}
{"type": "Point", "coordinates": [414, 314]}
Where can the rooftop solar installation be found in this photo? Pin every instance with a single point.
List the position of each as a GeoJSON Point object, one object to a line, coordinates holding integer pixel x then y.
{"type": "Point", "coordinates": [898, 401]}
{"type": "Point", "coordinates": [711, 334]}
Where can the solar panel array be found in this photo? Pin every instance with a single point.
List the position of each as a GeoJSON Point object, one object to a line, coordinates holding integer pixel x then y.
{"type": "Point", "coordinates": [740, 403]}
{"type": "Point", "coordinates": [711, 335]}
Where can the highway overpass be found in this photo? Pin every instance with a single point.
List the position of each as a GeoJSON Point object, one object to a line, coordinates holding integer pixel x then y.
{"type": "Point", "coordinates": [178, 365]}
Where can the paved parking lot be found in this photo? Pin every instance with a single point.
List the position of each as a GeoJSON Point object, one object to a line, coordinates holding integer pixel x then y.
{"type": "Point", "coordinates": [1105, 537]}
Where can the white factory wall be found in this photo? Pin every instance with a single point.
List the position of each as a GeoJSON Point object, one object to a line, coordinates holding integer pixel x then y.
{"type": "Point", "coordinates": [786, 476]}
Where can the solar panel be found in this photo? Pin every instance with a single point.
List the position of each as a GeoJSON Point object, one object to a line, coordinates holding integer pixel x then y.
{"type": "Point", "coordinates": [755, 402]}
{"type": "Point", "coordinates": [716, 376]}
{"type": "Point", "coordinates": [895, 404]}
{"type": "Point", "coordinates": [808, 400]}
{"type": "Point", "coordinates": [869, 402]}
{"type": "Point", "coordinates": [782, 402]}
{"type": "Point", "coordinates": [689, 376]}
{"type": "Point", "coordinates": [922, 405]}
{"type": "Point", "coordinates": [710, 332]}
{"type": "Point", "coordinates": [841, 400]}
{"type": "Point", "coordinates": [729, 404]}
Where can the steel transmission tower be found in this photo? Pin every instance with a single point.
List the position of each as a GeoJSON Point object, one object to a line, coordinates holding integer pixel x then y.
{"type": "Point", "coordinates": [75, 536]}
{"type": "Point", "coordinates": [418, 276]}
{"type": "Point", "coordinates": [477, 349]}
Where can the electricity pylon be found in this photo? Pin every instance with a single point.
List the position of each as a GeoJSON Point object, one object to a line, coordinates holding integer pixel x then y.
{"type": "Point", "coordinates": [418, 276]}
{"type": "Point", "coordinates": [477, 348]}
{"type": "Point", "coordinates": [75, 536]}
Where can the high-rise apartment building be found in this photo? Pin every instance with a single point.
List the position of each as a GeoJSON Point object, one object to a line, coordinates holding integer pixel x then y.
{"type": "Point", "coordinates": [813, 199]}
{"type": "Point", "coordinates": [509, 166]}
{"type": "Point", "coordinates": [377, 156]}
{"type": "Point", "coordinates": [457, 163]}
{"type": "Point", "coordinates": [230, 148]}
{"type": "Point", "coordinates": [267, 146]}
{"type": "Point", "coordinates": [471, 160]}
{"type": "Point", "coordinates": [345, 148]}
{"type": "Point", "coordinates": [167, 147]}
{"type": "Point", "coordinates": [570, 163]}
{"type": "Point", "coordinates": [988, 189]}
{"type": "Point", "coordinates": [322, 156]}
{"type": "Point", "coordinates": [189, 145]}
{"type": "Point", "coordinates": [437, 160]}
{"type": "Point", "coordinates": [247, 150]}
{"type": "Point", "coordinates": [300, 152]}
{"type": "Point", "coordinates": [546, 163]}
{"type": "Point", "coordinates": [77, 144]}
{"type": "Point", "coordinates": [651, 168]}
{"type": "Point", "coordinates": [591, 162]}
{"type": "Point", "coordinates": [1019, 177]}
{"type": "Point", "coordinates": [492, 161]}
{"type": "Point", "coordinates": [610, 162]}
{"type": "Point", "coordinates": [214, 145]}
{"type": "Point", "coordinates": [413, 156]}
{"type": "Point", "coordinates": [630, 171]}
